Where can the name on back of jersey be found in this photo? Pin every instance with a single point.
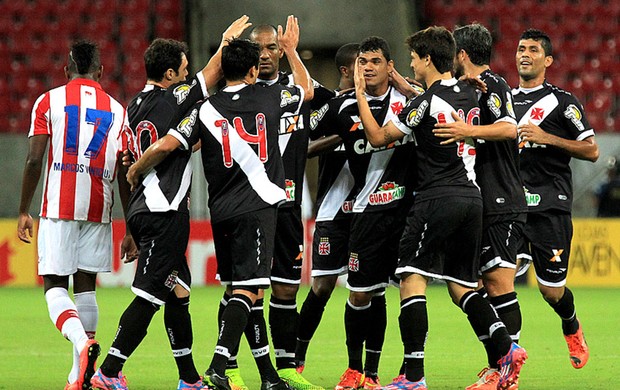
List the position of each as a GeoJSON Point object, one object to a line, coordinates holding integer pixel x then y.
{"type": "Point", "coordinates": [82, 168]}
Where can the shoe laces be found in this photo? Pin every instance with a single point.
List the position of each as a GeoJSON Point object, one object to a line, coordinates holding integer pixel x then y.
{"type": "Point", "coordinates": [351, 376]}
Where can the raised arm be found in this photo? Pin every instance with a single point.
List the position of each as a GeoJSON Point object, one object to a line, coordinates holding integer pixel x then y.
{"type": "Point", "coordinates": [32, 173]}
{"type": "Point", "coordinates": [288, 41]}
{"type": "Point", "coordinates": [586, 149]}
{"type": "Point", "coordinates": [459, 129]}
{"type": "Point", "coordinates": [212, 72]}
{"type": "Point", "coordinates": [377, 136]}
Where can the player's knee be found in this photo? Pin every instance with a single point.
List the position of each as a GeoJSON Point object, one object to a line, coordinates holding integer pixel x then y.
{"type": "Point", "coordinates": [551, 294]}
{"type": "Point", "coordinates": [323, 287]}
{"type": "Point", "coordinates": [359, 299]}
{"type": "Point", "coordinates": [284, 291]}
{"type": "Point", "coordinates": [180, 292]}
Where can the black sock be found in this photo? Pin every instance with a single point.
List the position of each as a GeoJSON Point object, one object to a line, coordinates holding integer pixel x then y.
{"type": "Point", "coordinates": [413, 321]}
{"type": "Point", "coordinates": [256, 334]}
{"type": "Point", "coordinates": [283, 320]}
{"type": "Point", "coordinates": [232, 360]}
{"type": "Point", "coordinates": [309, 318]}
{"type": "Point", "coordinates": [234, 321]}
{"type": "Point", "coordinates": [178, 324]}
{"type": "Point", "coordinates": [508, 310]}
{"type": "Point", "coordinates": [355, 321]}
{"type": "Point", "coordinates": [482, 315]}
{"type": "Point", "coordinates": [483, 335]}
{"type": "Point", "coordinates": [375, 335]}
{"type": "Point", "coordinates": [131, 331]}
{"type": "Point", "coordinates": [565, 308]}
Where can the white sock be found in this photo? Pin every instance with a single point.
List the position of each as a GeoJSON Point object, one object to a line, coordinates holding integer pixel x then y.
{"type": "Point", "coordinates": [86, 304]}
{"type": "Point", "coordinates": [64, 315]}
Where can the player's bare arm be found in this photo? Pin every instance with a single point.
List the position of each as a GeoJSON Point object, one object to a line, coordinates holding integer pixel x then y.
{"type": "Point", "coordinates": [155, 154]}
{"type": "Point", "coordinates": [212, 72]}
{"type": "Point", "coordinates": [323, 145]}
{"type": "Point", "coordinates": [459, 129]}
{"type": "Point", "coordinates": [377, 136]}
{"type": "Point", "coordinates": [288, 40]}
{"type": "Point", "coordinates": [32, 173]}
{"type": "Point", "coordinates": [586, 149]}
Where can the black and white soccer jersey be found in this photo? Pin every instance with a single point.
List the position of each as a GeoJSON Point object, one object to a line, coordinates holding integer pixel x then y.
{"type": "Point", "coordinates": [442, 170]}
{"type": "Point", "coordinates": [382, 176]}
{"type": "Point", "coordinates": [336, 191]}
{"type": "Point", "coordinates": [497, 162]}
{"type": "Point", "coordinates": [151, 114]}
{"type": "Point", "coordinates": [238, 127]}
{"type": "Point", "coordinates": [545, 170]}
{"type": "Point", "coordinates": [293, 138]}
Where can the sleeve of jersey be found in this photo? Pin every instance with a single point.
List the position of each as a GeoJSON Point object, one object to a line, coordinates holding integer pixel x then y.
{"type": "Point", "coordinates": [187, 131]}
{"type": "Point", "coordinates": [575, 119]}
{"type": "Point", "coordinates": [322, 121]}
{"type": "Point", "coordinates": [203, 84]}
{"type": "Point", "coordinates": [39, 122]}
{"type": "Point", "coordinates": [321, 95]}
{"type": "Point", "coordinates": [499, 103]}
{"type": "Point", "coordinates": [410, 116]}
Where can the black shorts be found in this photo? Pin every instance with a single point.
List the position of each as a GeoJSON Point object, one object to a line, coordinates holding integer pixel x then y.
{"type": "Point", "coordinates": [502, 237]}
{"type": "Point", "coordinates": [547, 243]}
{"type": "Point", "coordinates": [373, 249]}
{"type": "Point", "coordinates": [330, 247]}
{"type": "Point", "coordinates": [244, 248]}
{"type": "Point", "coordinates": [289, 246]}
{"type": "Point", "coordinates": [162, 239]}
{"type": "Point", "coordinates": [442, 240]}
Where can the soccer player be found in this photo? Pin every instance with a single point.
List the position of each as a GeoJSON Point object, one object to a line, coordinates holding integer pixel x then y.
{"type": "Point", "coordinates": [443, 229]}
{"type": "Point", "coordinates": [158, 211]}
{"type": "Point", "coordinates": [497, 174]}
{"type": "Point", "coordinates": [382, 182]}
{"type": "Point", "coordinates": [552, 127]}
{"type": "Point", "coordinates": [238, 130]}
{"type": "Point", "coordinates": [334, 206]}
{"type": "Point", "coordinates": [86, 131]}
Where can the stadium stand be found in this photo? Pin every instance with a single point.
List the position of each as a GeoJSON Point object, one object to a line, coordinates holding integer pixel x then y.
{"type": "Point", "coordinates": [35, 35]}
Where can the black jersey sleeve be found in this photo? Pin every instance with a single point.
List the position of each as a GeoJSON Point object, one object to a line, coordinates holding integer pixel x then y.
{"type": "Point", "coordinates": [189, 92]}
{"type": "Point", "coordinates": [324, 120]}
{"type": "Point", "coordinates": [574, 118]}
{"type": "Point", "coordinates": [188, 131]}
{"type": "Point", "coordinates": [496, 104]}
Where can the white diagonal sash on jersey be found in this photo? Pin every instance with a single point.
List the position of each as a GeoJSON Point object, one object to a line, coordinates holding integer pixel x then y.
{"type": "Point", "coordinates": [243, 154]}
{"type": "Point", "coordinates": [548, 104]}
{"type": "Point", "coordinates": [378, 163]}
{"type": "Point", "coordinates": [154, 197]}
{"type": "Point", "coordinates": [337, 194]}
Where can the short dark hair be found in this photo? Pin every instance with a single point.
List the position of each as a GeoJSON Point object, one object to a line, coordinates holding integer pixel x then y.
{"type": "Point", "coordinates": [436, 42]}
{"type": "Point", "coordinates": [477, 42]}
{"type": "Point", "coordinates": [83, 57]}
{"type": "Point", "coordinates": [163, 54]}
{"type": "Point", "coordinates": [238, 57]}
{"type": "Point", "coordinates": [346, 54]}
{"type": "Point", "coordinates": [541, 37]}
{"type": "Point", "coordinates": [376, 44]}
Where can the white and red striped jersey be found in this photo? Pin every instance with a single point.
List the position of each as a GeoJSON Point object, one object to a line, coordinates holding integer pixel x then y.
{"type": "Point", "coordinates": [88, 131]}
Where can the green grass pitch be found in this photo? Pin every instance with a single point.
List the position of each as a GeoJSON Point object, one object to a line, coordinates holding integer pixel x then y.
{"type": "Point", "coordinates": [33, 355]}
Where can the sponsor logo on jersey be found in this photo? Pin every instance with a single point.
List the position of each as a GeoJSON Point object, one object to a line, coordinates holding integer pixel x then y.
{"type": "Point", "coordinates": [187, 123]}
{"type": "Point", "coordinates": [288, 124]}
{"type": "Point", "coordinates": [537, 113]}
{"type": "Point", "coordinates": [324, 246]}
{"type": "Point", "coordinates": [495, 103]}
{"type": "Point", "coordinates": [532, 200]}
{"type": "Point", "coordinates": [171, 280]}
{"type": "Point", "coordinates": [182, 91]}
{"type": "Point", "coordinates": [316, 116]}
{"type": "Point", "coordinates": [289, 188]}
{"type": "Point", "coordinates": [415, 115]}
{"type": "Point", "coordinates": [575, 116]}
{"type": "Point", "coordinates": [556, 255]}
{"type": "Point", "coordinates": [287, 98]}
{"type": "Point", "coordinates": [363, 146]}
{"type": "Point", "coordinates": [509, 106]}
{"type": "Point", "coordinates": [347, 206]}
{"type": "Point", "coordinates": [354, 262]}
{"type": "Point", "coordinates": [388, 192]}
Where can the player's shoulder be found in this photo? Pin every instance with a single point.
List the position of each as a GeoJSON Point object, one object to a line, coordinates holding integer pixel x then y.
{"type": "Point", "coordinates": [562, 95]}
{"type": "Point", "coordinates": [494, 80]}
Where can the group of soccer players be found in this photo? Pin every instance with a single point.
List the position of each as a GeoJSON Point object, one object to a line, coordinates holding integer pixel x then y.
{"type": "Point", "coordinates": [415, 184]}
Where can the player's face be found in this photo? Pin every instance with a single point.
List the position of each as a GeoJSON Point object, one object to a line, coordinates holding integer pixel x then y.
{"type": "Point", "coordinates": [418, 67]}
{"type": "Point", "coordinates": [181, 73]}
{"type": "Point", "coordinates": [531, 59]}
{"type": "Point", "coordinates": [375, 68]}
{"type": "Point", "coordinates": [270, 54]}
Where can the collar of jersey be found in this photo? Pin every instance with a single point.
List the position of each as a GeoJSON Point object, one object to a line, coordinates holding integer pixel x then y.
{"type": "Point", "coordinates": [81, 81]}
{"type": "Point", "coordinates": [448, 82]}
{"type": "Point", "coordinates": [530, 90]}
{"type": "Point", "coordinates": [267, 82]}
{"type": "Point", "coordinates": [234, 88]}
{"type": "Point", "coordinates": [369, 98]}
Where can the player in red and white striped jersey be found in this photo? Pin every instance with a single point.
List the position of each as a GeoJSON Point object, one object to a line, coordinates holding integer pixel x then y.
{"type": "Point", "coordinates": [86, 130]}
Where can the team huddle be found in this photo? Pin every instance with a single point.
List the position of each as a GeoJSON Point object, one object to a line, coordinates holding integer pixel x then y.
{"type": "Point", "coordinates": [451, 176]}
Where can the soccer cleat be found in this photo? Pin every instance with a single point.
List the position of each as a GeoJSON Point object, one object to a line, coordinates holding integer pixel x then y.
{"type": "Point", "coordinates": [489, 379]}
{"type": "Point", "coordinates": [88, 358]}
{"type": "Point", "coordinates": [300, 365]}
{"type": "Point", "coordinates": [371, 383]}
{"type": "Point", "coordinates": [102, 382]}
{"type": "Point", "coordinates": [213, 381]}
{"type": "Point", "coordinates": [510, 366]}
{"type": "Point", "coordinates": [234, 376]}
{"type": "Point", "coordinates": [72, 386]}
{"type": "Point", "coordinates": [401, 383]}
{"type": "Point", "coordinates": [189, 386]}
{"type": "Point", "coordinates": [350, 380]}
{"type": "Point", "coordinates": [295, 380]}
{"type": "Point", "coordinates": [577, 348]}
{"type": "Point", "coordinates": [279, 385]}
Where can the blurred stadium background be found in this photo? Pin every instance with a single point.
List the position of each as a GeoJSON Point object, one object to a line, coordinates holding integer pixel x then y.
{"type": "Point", "coordinates": [35, 35]}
